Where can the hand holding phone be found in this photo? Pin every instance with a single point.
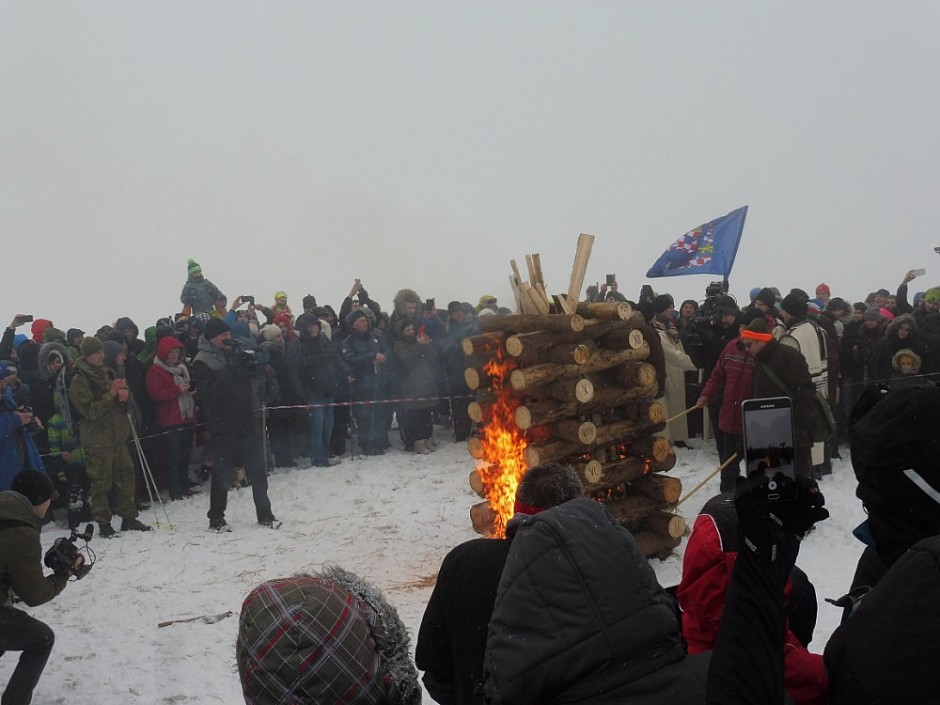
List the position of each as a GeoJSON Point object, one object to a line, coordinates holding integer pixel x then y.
{"type": "Point", "coordinates": [769, 451]}
{"type": "Point", "coordinates": [919, 272]}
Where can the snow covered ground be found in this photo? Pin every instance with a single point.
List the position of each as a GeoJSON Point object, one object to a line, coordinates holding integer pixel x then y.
{"type": "Point", "coordinates": [390, 518]}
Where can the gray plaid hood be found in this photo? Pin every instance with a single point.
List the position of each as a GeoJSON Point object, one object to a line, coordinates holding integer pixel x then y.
{"type": "Point", "coordinates": [323, 637]}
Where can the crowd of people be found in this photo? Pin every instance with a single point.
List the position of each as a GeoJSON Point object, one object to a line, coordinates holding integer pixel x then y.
{"type": "Point", "coordinates": [256, 386]}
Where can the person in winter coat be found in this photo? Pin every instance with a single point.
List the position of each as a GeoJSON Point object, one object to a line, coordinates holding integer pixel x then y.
{"type": "Point", "coordinates": [66, 463]}
{"type": "Point", "coordinates": [17, 449]}
{"type": "Point", "coordinates": [731, 381]}
{"type": "Point", "coordinates": [580, 618]}
{"type": "Point", "coordinates": [284, 359]}
{"type": "Point", "coordinates": [199, 294]}
{"type": "Point", "coordinates": [367, 354]}
{"type": "Point", "coordinates": [454, 362]}
{"type": "Point", "coordinates": [321, 370]}
{"type": "Point", "coordinates": [170, 387]}
{"type": "Point", "coordinates": [326, 637]}
{"type": "Point", "coordinates": [899, 334]}
{"type": "Point", "coordinates": [780, 370]}
{"type": "Point", "coordinates": [227, 378]}
{"type": "Point", "coordinates": [22, 510]}
{"type": "Point", "coordinates": [407, 304]}
{"type": "Point", "coordinates": [878, 653]}
{"type": "Point", "coordinates": [706, 572]}
{"type": "Point", "coordinates": [452, 637]}
{"type": "Point", "coordinates": [101, 401]}
{"type": "Point", "coordinates": [677, 364]}
{"type": "Point", "coordinates": [417, 383]}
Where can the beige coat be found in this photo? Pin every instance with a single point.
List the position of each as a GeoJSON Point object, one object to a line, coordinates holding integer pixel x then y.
{"type": "Point", "coordinates": [677, 364]}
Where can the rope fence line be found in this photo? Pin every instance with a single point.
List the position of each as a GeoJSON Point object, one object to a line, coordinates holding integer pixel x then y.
{"type": "Point", "coordinates": [367, 402]}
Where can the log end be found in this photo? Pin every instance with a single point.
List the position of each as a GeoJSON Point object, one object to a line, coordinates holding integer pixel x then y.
{"type": "Point", "coordinates": [635, 339]}
{"type": "Point", "coordinates": [516, 380]}
{"type": "Point", "coordinates": [472, 377]}
{"type": "Point", "coordinates": [523, 418]}
{"type": "Point", "coordinates": [475, 448]}
{"type": "Point", "coordinates": [476, 483]}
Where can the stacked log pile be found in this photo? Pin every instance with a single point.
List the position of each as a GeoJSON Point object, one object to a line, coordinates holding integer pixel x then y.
{"type": "Point", "coordinates": [579, 392]}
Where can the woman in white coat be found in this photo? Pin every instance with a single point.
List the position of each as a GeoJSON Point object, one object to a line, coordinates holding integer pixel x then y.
{"type": "Point", "coordinates": [677, 364]}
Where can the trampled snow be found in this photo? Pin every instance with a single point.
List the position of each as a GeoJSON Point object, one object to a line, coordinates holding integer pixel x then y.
{"type": "Point", "coordinates": [389, 518]}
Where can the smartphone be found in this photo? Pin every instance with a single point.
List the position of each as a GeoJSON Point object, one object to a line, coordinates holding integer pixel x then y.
{"type": "Point", "coordinates": [250, 300]}
{"type": "Point", "coordinates": [610, 279]}
{"type": "Point", "coordinates": [358, 281]}
{"type": "Point", "coordinates": [919, 272]}
{"type": "Point", "coordinates": [25, 319]}
{"type": "Point", "coordinates": [767, 439]}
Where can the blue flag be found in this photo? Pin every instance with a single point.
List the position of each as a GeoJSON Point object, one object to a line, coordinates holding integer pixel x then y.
{"type": "Point", "coordinates": [708, 249]}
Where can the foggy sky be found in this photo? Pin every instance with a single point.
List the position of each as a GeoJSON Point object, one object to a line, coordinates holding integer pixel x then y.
{"type": "Point", "coordinates": [298, 145]}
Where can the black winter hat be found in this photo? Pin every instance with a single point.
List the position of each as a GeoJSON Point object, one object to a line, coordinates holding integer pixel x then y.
{"type": "Point", "coordinates": [794, 304]}
{"type": "Point", "coordinates": [72, 333]}
{"type": "Point", "coordinates": [454, 306]}
{"type": "Point", "coordinates": [895, 450]}
{"type": "Point", "coordinates": [309, 301]}
{"type": "Point", "coordinates": [724, 303]}
{"type": "Point", "coordinates": [214, 327]}
{"type": "Point", "coordinates": [354, 316]}
{"type": "Point", "coordinates": [125, 323]}
{"type": "Point", "coordinates": [34, 485]}
{"type": "Point", "coordinates": [767, 296]}
{"type": "Point", "coordinates": [662, 302]}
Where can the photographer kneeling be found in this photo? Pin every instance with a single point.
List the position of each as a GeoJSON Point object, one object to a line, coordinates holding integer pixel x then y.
{"type": "Point", "coordinates": [21, 512]}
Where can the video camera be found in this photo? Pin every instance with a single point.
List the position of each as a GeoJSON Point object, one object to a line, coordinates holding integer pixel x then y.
{"type": "Point", "coordinates": [62, 554]}
{"type": "Point", "coordinates": [245, 358]}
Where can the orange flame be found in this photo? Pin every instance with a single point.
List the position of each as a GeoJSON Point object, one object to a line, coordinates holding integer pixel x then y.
{"type": "Point", "coordinates": [502, 463]}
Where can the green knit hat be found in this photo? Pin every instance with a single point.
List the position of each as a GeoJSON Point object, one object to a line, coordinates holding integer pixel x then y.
{"type": "Point", "coordinates": [194, 267]}
{"type": "Point", "coordinates": [932, 295]}
{"type": "Point", "coordinates": [91, 345]}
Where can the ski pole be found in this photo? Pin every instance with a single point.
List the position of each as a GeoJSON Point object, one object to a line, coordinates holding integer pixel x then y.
{"type": "Point", "coordinates": [149, 480]}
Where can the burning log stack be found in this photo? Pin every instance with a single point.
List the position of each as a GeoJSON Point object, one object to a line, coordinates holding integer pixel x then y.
{"type": "Point", "coordinates": [572, 388]}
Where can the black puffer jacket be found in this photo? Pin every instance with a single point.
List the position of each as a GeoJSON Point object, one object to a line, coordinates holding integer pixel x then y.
{"type": "Point", "coordinates": [580, 618]}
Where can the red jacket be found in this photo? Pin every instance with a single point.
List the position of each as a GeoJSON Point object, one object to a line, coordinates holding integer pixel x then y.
{"type": "Point", "coordinates": [732, 378]}
{"type": "Point", "coordinates": [163, 390]}
{"type": "Point", "coordinates": [706, 573]}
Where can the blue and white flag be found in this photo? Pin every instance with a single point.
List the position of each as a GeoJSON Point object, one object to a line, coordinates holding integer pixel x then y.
{"type": "Point", "coordinates": [708, 249]}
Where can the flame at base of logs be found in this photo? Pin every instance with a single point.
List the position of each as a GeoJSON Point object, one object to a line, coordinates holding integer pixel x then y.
{"type": "Point", "coordinates": [565, 389]}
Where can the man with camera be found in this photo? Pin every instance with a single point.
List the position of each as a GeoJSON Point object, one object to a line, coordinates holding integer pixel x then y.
{"type": "Point", "coordinates": [225, 375]}
{"type": "Point", "coordinates": [21, 512]}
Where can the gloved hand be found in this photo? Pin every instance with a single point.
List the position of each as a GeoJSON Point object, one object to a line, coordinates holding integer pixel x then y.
{"type": "Point", "coordinates": [768, 527]}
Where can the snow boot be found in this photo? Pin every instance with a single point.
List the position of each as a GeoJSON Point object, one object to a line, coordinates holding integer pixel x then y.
{"type": "Point", "coordinates": [422, 448]}
{"type": "Point", "coordinates": [106, 531]}
{"type": "Point", "coordinates": [133, 524]}
{"type": "Point", "coordinates": [219, 526]}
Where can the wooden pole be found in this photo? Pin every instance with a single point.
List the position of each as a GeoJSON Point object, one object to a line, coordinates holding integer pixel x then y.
{"type": "Point", "coordinates": [715, 472]}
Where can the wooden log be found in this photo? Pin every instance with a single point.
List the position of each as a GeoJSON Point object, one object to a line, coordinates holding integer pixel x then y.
{"type": "Point", "coordinates": [666, 524]}
{"type": "Point", "coordinates": [609, 310]}
{"type": "Point", "coordinates": [654, 447]}
{"type": "Point", "coordinates": [620, 431]}
{"type": "Point", "coordinates": [483, 343]}
{"type": "Point", "coordinates": [632, 508]}
{"type": "Point", "coordinates": [597, 475]}
{"type": "Point", "coordinates": [548, 372]}
{"type": "Point", "coordinates": [620, 334]}
{"type": "Point", "coordinates": [539, 305]}
{"type": "Point", "coordinates": [527, 324]}
{"type": "Point", "coordinates": [576, 389]}
{"type": "Point", "coordinates": [647, 411]}
{"type": "Point", "coordinates": [483, 518]}
{"type": "Point", "coordinates": [552, 451]}
{"type": "Point", "coordinates": [475, 447]}
{"type": "Point", "coordinates": [541, 412]}
{"type": "Point", "coordinates": [476, 483]}
{"type": "Point", "coordinates": [611, 395]}
{"type": "Point", "coordinates": [583, 432]}
{"type": "Point", "coordinates": [659, 487]}
{"type": "Point", "coordinates": [479, 412]}
{"type": "Point", "coordinates": [562, 354]}
{"type": "Point", "coordinates": [579, 266]}
{"type": "Point", "coordinates": [654, 545]}
{"type": "Point", "coordinates": [640, 374]}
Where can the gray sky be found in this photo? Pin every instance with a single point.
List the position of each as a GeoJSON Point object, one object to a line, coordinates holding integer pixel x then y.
{"type": "Point", "coordinates": [298, 145]}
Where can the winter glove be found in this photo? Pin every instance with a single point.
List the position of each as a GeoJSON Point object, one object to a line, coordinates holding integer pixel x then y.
{"type": "Point", "coordinates": [773, 530]}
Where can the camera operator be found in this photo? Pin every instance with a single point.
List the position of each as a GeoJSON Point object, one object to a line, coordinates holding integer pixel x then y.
{"type": "Point", "coordinates": [21, 512]}
{"type": "Point", "coordinates": [225, 375]}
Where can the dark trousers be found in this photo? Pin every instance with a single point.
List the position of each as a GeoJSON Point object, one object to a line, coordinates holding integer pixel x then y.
{"type": "Point", "coordinates": [320, 423]}
{"type": "Point", "coordinates": [177, 446]}
{"type": "Point", "coordinates": [231, 450]}
{"type": "Point", "coordinates": [20, 632]}
{"type": "Point", "coordinates": [416, 425]}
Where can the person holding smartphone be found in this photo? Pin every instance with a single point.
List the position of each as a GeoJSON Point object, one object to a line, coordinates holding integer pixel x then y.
{"type": "Point", "coordinates": [780, 370]}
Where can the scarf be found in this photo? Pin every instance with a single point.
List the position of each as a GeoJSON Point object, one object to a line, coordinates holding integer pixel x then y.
{"type": "Point", "coordinates": [180, 376]}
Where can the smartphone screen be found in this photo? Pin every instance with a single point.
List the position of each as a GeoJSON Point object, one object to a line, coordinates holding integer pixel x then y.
{"type": "Point", "coordinates": [919, 272]}
{"type": "Point", "coordinates": [767, 438]}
